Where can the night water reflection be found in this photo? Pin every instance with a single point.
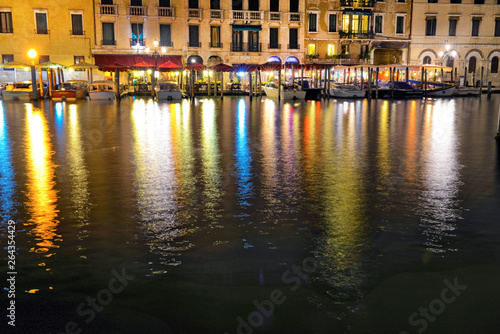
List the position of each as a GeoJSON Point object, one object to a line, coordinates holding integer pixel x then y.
{"type": "Point", "coordinates": [223, 198]}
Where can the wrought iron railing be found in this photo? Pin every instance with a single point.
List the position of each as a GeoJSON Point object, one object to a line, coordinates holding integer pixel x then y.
{"type": "Point", "coordinates": [356, 35]}
{"type": "Point", "coordinates": [246, 47]}
{"type": "Point", "coordinates": [357, 3]}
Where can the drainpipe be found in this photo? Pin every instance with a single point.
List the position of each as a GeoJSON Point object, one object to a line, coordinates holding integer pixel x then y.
{"type": "Point", "coordinates": [409, 36]}
{"type": "Point", "coordinates": [93, 19]}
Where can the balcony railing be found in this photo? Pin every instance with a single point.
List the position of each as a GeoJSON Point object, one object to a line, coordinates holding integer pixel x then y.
{"type": "Point", "coordinates": [77, 32]}
{"type": "Point", "coordinates": [194, 13]}
{"type": "Point", "coordinates": [137, 10]}
{"type": "Point", "coordinates": [247, 15]}
{"type": "Point", "coordinates": [165, 11]}
{"type": "Point", "coordinates": [357, 3]}
{"type": "Point", "coordinates": [167, 43]}
{"type": "Point", "coordinates": [293, 46]}
{"type": "Point", "coordinates": [108, 42]}
{"type": "Point", "coordinates": [215, 44]}
{"type": "Point", "coordinates": [294, 17]}
{"type": "Point", "coordinates": [274, 46]}
{"type": "Point", "coordinates": [356, 35]}
{"type": "Point", "coordinates": [275, 16]}
{"type": "Point", "coordinates": [40, 31]}
{"type": "Point", "coordinates": [135, 41]}
{"type": "Point", "coordinates": [108, 9]}
{"type": "Point", "coordinates": [194, 45]}
{"type": "Point", "coordinates": [246, 47]}
{"type": "Point", "coordinates": [217, 14]}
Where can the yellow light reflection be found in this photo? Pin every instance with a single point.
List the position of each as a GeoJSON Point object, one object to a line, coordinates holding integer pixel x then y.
{"type": "Point", "coordinates": [41, 196]}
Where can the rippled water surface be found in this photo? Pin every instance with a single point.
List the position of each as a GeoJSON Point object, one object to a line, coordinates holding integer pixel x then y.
{"type": "Point", "coordinates": [244, 216]}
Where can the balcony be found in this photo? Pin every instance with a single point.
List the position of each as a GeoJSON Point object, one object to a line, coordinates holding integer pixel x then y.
{"type": "Point", "coordinates": [108, 42]}
{"type": "Point", "coordinates": [165, 12]}
{"type": "Point", "coordinates": [137, 10]}
{"type": "Point", "coordinates": [194, 45]}
{"type": "Point", "coordinates": [274, 46]}
{"type": "Point", "coordinates": [108, 9]}
{"type": "Point", "coordinates": [274, 17]}
{"type": "Point", "coordinates": [41, 31]}
{"type": "Point", "coordinates": [295, 17]}
{"type": "Point", "coordinates": [246, 47]}
{"type": "Point", "coordinates": [216, 14]}
{"type": "Point", "coordinates": [215, 44]}
{"type": "Point", "coordinates": [247, 15]}
{"type": "Point", "coordinates": [194, 13]}
{"type": "Point", "coordinates": [166, 43]}
{"type": "Point", "coordinates": [77, 33]}
{"type": "Point", "coordinates": [356, 35]}
{"type": "Point", "coordinates": [135, 41]}
{"type": "Point", "coordinates": [357, 3]}
{"type": "Point", "coordinates": [293, 46]}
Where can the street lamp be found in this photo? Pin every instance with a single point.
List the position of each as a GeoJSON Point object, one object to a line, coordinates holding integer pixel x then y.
{"type": "Point", "coordinates": [153, 77]}
{"type": "Point", "coordinates": [32, 55]}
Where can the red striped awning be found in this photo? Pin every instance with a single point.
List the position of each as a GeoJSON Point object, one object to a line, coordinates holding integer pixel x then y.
{"type": "Point", "coordinates": [106, 61]}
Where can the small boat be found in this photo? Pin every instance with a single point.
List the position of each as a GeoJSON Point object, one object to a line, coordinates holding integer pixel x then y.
{"type": "Point", "coordinates": [446, 91]}
{"type": "Point", "coordinates": [287, 92]}
{"type": "Point", "coordinates": [402, 90]}
{"type": "Point", "coordinates": [21, 91]}
{"type": "Point", "coordinates": [346, 91]}
{"type": "Point", "coordinates": [168, 90]}
{"type": "Point", "coordinates": [70, 91]}
{"type": "Point", "coordinates": [102, 90]}
{"type": "Point", "coordinates": [466, 91]}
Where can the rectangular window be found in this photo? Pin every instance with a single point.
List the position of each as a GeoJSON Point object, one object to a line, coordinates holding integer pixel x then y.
{"type": "Point", "coordinates": [294, 6]}
{"type": "Point", "coordinates": [106, 2]}
{"type": "Point", "coordinates": [165, 35]}
{"type": "Point", "coordinates": [331, 50]}
{"type": "Point", "coordinates": [475, 26]}
{"type": "Point", "coordinates": [293, 38]}
{"type": "Point", "coordinates": [193, 4]}
{"type": "Point", "coordinates": [194, 36]}
{"type": "Point", "coordinates": [401, 0]}
{"type": "Point", "coordinates": [311, 49]}
{"type": "Point", "coordinates": [312, 22]}
{"type": "Point", "coordinates": [135, 2]}
{"type": "Point", "coordinates": [452, 31]}
{"type": "Point", "coordinates": [5, 22]}
{"type": "Point", "coordinates": [430, 26]}
{"type": "Point", "coordinates": [332, 23]}
{"type": "Point", "coordinates": [344, 49]}
{"type": "Point", "coordinates": [108, 34]}
{"type": "Point", "coordinates": [400, 24]}
{"type": "Point", "coordinates": [497, 27]}
{"type": "Point", "coordinates": [7, 58]}
{"type": "Point", "coordinates": [274, 5]}
{"type": "Point", "coordinates": [78, 59]}
{"type": "Point", "coordinates": [432, 1]}
{"type": "Point", "coordinates": [215, 37]}
{"type": "Point", "coordinates": [273, 38]}
{"type": "Point", "coordinates": [455, 1]}
{"type": "Point", "coordinates": [378, 24]}
{"type": "Point", "coordinates": [253, 5]}
{"type": "Point", "coordinates": [41, 23]}
{"type": "Point", "coordinates": [137, 34]}
{"type": "Point", "coordinates": [215, 4]}
{"type": "Point", "coordinates": [77, 24]}
{"type": "Point", "coordinates": [164, 3]}
{"type": "Point", "coordinates": [237, 5]}
{"type": "Point", "coordinates": [479, 2]}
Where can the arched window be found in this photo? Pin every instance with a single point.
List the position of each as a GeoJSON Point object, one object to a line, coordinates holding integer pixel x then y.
{"type": "Point", "coordinates": [427, 60]}
{"type": "Point", "coordinates": [494, 65]}
{"type": "Point", "coordinates": [472, 64]}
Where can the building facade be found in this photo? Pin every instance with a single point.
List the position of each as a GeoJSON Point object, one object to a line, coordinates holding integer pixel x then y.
{"type": "Point", "coordinates": [461, 34]}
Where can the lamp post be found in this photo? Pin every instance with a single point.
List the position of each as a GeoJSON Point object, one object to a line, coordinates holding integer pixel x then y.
{"type": "Point", "coordinates": [153, 77]}
{"type": "Point", "coordinates": [32, 55]}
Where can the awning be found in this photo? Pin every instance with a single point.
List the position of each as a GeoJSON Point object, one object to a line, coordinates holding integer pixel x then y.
{"type": "Point", "coordinates": [390, 45]}
{"type": "Point", "coordinates": [130, 60]}
{"type": "Point", "coordinates": [246, 27]}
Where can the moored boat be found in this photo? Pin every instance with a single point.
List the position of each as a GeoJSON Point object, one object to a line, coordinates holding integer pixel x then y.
{"type": "Point", "coordinates": [446, 91]}
{"type": "Point", "coordinates": [466, 91]}
{"type": "Point", "coordinates": [168, 90]}
{"type": "Point", "coordinates": [401, 90]}
{"type": "Point", "coordinates": [70, 91]}
{"type": "Point", "coordinates": [287, 92]}
{"type": "Point", "coordinates": [346, 91]}
{"type": "Point", "coordinates": [102, 90]}
{"type": "Point", "coordinates": [20, 91]}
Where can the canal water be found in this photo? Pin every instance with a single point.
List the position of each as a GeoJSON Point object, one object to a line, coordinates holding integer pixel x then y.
{"type": "Point", "coordinates": [241, 216]}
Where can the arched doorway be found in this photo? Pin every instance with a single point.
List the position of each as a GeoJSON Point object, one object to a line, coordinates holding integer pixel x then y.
{"type": "Point", "coordinates": [214, 60]}
{"type": "Point", "coordinates": [195, 60]}
{"type": "Point", "coordinates": [427, 60]}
